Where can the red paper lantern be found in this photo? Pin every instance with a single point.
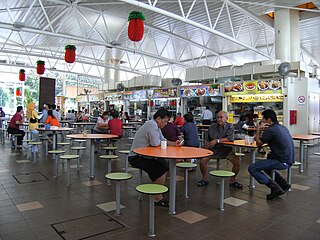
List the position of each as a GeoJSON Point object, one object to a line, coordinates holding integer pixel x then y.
{"type": "Point", "coordinates": [22, 75]}
{"type": "Point", "coordinates": [151, 103]}
{"type": "Point", "coordinates": [18, 92]}
{"type": "Point", "coordinates": [136, 26]}
{"type": "Point", "coordinates": [70, 54]}
{"type": "Point", "coordinates": [40, 67]}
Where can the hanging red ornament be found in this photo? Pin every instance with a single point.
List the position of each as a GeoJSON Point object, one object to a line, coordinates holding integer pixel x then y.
{"type": "Point", "coordinates": [136, 26]}
{"type": "Point", "coordinates": [151, 103]}
{"type": "Point", "coordinates": [18, 92]}
{"type": "Point", "coordinates": [22, 75]}
{"type": "Point", "coordinates": [70, 54]}
{"type": "Point", "coordinates": [174, 102]}
{"type": "Point", "coordinates": [40, 67]}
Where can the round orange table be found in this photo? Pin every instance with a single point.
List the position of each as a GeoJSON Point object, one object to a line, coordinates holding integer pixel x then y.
{"type": "Point", "coordinates": [172, 153]}
{"type": "Point", "coordinates": [92, 137]}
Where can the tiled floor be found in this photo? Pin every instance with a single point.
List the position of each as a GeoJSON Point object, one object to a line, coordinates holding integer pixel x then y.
{"type": "Point", "coordinates": [47, 209]}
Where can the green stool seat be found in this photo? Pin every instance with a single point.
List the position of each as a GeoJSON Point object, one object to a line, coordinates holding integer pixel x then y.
{"type": "Point", "coordinates": [126, 153]}
{"type": "Point", "coordinates": [56, 152]}
{"type": "Point", "coordinates": [110, 148]}
{"type": "Point", "coordinates": [151, 189]}
{"type": "Point", "coordinates": [78, 148]}
{"type": "Point", "coordinates": [118, 176]}
{"type": "Point", "coordinates": [239, 154]}
{"type": "Point", "coordinates": [222, 174]}
{"type": "Point", "coordinates": [35, 143]}
{"type": "Point", "coordinates": [63, 143]}
{"type": "Point", "coordinates": [109, 158]}
{"type": "Point", "coordinates": [68, 157]}
{"type": "Point", "coordinates": [186, 166]}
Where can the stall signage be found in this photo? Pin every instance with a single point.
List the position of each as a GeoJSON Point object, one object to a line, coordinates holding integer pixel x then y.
{"type": "Point", "coordinates": [253, 87]}
{"type": "Point", "coordinates": [200, 91]}
{"type": "Point", "coordinates": [82, 98]}
{"type": "Point", "coordinates": [113, 97]}
{"type": "Point", "coordinates": [257, 98]}
{"type": "Point", "coordinates": [135, 95]}
{"type": "Point", "coordinates": [162, 93]}
{"type": "Point", "coordinates": [95, 97]}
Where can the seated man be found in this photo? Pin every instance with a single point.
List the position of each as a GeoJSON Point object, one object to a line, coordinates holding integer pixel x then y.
{"type": "Point", "coordinates": [281, 156]}
{"type": "Point", "coordinates": [13, 128]}
{"type": "Point", "coordinates": [217, 134]}
{"type": "Point", "coordinates": [149, 134]}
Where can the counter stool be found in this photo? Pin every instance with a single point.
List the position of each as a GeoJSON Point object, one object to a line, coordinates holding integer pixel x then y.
{"type": "Point", "coordinates": [45, 139]}
{"type": "Point", "coordinates": [33, 144]}
{"type": "Point", "coordinates": [56, 158]}
{"type": "Point", "coordinates": [289, 172]}
{"type": "Point", "coordinates": [68, 158]}
{"type": "Point", "coordinates": [109, 149]}
{"type": "Point", "coordinates": [186, 166]}
{"type": "Point", "coordinates": [222, 174]}
{"type": "Point", "coordinates": [118, 177]}
{"type": "Point", "coordinates": [78, 149]}
{"type": "Point", "coordinates": [109, 158]}
{"type": "Point", "coordinates": [126, 153]}
{"type": "Point", "coordinates": [151, 190]}
{"type": "Point", "coordinates": [82, 142]}
{"type": "Point", "coordinates": [63, 144]}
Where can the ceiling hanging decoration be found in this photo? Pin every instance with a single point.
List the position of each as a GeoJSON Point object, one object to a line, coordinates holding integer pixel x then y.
{"type": "Point", "coordinates": [18, 92]}
{"type": "Point", "coordinates": [22, 75]}
{"type": "Point", "coordinates": [40, 67]}
{"type": "Point", "coordinates": [136, 26]}
{"type": "Point", "coordinates": [70, 53]}
{"type": "Point", "coordinates": [151, 103]}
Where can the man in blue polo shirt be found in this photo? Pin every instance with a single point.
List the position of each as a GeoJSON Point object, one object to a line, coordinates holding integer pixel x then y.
{"type": "Point", "coordinates": [281, 156]}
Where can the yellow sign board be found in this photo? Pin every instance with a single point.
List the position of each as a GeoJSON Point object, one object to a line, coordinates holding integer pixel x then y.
{"type": "Point", "coordinates": [257, 98]}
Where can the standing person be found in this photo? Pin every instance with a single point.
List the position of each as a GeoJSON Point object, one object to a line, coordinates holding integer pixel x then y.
{"type": "Point", "coordinates": [32, 116]}
{"type": "Point", "coordinates": [125, 117]}
{"type": "Point", "coordinates": [55, 112]}
{"type": "Point", "coordinates": [101, 127]}
{"type": "Point", "coordinates": [45, 110]}
{"type": "Point", "coordinates": [96, 113]}
{"type": "Point", "coordinates": [207, 116]}
{"type": "Point", "coordinates": [281, 156]}
{"type": "Point", "coordinates": [115, 127]}
{"type": "Point", "coordinates": [190, 131]}
{"type": "Point", "coordinates": [179, 121]}
{"type": "Point", "coordinates": [171, 132]}
{"type": "Point", "coordinates": [149, 134]}
{"type": "Point", "coordinates": [2, 113]}
{"type": "Point", "coordinates": [220, 132]}
{"type": "Point", "coordinates": [13, 127]}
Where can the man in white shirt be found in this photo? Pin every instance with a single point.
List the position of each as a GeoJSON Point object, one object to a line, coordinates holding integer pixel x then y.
{"type": "Point", "coordinates": [207, 116]}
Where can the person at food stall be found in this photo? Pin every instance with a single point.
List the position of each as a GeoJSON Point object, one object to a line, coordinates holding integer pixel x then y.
{"type": "Point", "coordinates": [45, 110]}
{"type": "Point", "coordinates": [179, 121]}
{"type": "Point", "coordinates": [96, 112]}
{"type": "Point", "coordinates": [281, 156]}
{"type": "Point", "coordinates": [149, 134]}
{"type": "Point", "coordinates": [125, 116]}
{"type": "Point", "coordinates": [101, 127]}
{"type": "Point", "coordinates": [115, 127]}
{"type": "Point", "coordinates": [13, 127]}
{"type": "Point", "coordinates": [220, 132]}
{"type": "Point", "coordinates": [207, 116]}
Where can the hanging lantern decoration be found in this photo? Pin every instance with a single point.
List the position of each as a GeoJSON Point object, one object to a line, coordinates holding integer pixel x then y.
{"type": "Point", "coordinates": [18, 92]}
{"type": "Point", "coordinates": [151, 103]}
{"type": "Point", "coordinates": [70, 54]}
{"type": "Point", "coordinates": [136, 26]}
{"type": "Point", "coordinates": [22, 75]}
{"type": "Point", "coordinates": [40, 67]}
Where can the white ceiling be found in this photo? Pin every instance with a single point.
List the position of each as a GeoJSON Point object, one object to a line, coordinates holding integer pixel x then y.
{"type": "Point", "coordinates": [179, 34]}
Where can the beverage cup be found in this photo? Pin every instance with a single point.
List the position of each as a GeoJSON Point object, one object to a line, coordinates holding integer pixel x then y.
{"type": "Point", "coordinates": [163, 144]}
{"type": "Point", "coordinates": [85, 133]}
{"type": "Point", "coordinates": [246, 140]}
{"type": "Point", "coordinates": [251, 139]}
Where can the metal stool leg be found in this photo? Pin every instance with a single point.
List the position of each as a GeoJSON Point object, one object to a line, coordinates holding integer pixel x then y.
{"type": "Point", "coordinates": [151, 216]}
{"type": "Point", "coordinates": [140, 181]}
{"type": "Point", "coordinates": [57, 158]}
{"type": "Point", "coordinates": [109, 170]}
{"type": "Point", "coordinates": [222, 194]}
{"type": "Point", "coordinates": [126, 163]}
{"type": "Point", "coordinates": [186, 183]}
{"type": "Point", "coordinates": [68, 173]}
{"type": "Point", "coordinates": [289, 174]}
{"type": "Point", "coordinates": [117, 198]}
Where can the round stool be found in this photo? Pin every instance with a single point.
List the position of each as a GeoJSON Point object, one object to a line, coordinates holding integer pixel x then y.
{"type": "Point", "coordinates": [13, 139]}
{"type": "Point", "coordinates": [109, 149]}
{"type": "Point", "coordinates": [80, 141]}
{"type": "Point", "coordinates": [63, 144]}
{"type": "Point", "coordinates": [126, 153]}
{"type": "Point", "coordinates": [68, 158]}
{"type": "Point", "coordinates": [151, 190]}
{"type": "Point", "coordinates": [109, 158]}
{"type": "Point", "coordinates": [78, 149]}
{"type": "Point", "coordinates": [56, 152]}
{"type": "Point", "coordinates": [117, 176]}
{"type": "Point", "coordinates": [221, 174]}
{"type": "Point", "coordinates": [34, 144]}
{"type": "Point", "coordinates": [186, 166]}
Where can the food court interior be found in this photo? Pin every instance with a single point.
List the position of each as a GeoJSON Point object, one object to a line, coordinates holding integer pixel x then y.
{"type": "Point", "coordinates": [87, 56]}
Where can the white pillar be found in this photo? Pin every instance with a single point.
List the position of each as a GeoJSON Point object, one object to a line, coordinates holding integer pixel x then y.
{"type": "Point", "coordinates": [294, 36]}
{"type": "Point", "coordinates": [282, 34]}
{"type": "Point", "coordinates": [107, 71]}
{"type": "Point", "coordinates": [118, 54]}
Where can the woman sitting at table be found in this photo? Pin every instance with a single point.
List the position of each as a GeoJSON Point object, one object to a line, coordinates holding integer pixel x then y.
{"type": "Point", "coordinates": [101, 127]}
{"type": "Point", "coordinates": [32, 116]}
{"type": "Point", "coordinates": [52, 120]}
{"type": "Point", "coordinates": [115, 127]}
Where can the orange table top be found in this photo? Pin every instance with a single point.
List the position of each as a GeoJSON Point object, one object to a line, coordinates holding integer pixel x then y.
{"type": "Point", "coordinates": [241, 143]}
{"type": "Point", "coordinates": [92, 136]}
{"type": "Point", "coordinates": [83, 123]}
{"type": "Point", "coordinates": [173, 152]}
{"type": "Point", "coordinates": [304, 137]}
{"type": "Point", "coordinates": [315, 133]}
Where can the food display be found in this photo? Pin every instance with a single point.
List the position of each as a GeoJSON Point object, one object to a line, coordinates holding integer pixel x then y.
{"type": "Point", "coordinates": [250, 86]}
{"type": "Point", "coordinates": [204, 90]}
{"type": "Point", "coordinates": [263, 85]}
{"type": "Point", "coordinates": [233, 87]}
{"type": "Point", "coordinates": [253, 87]}
{"type": "Point", "coordinates": [200, 91]}
{"type": "Point", "coordinates": [274, 84]}
{"type": "Point", "coordinates": [188, 92]}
